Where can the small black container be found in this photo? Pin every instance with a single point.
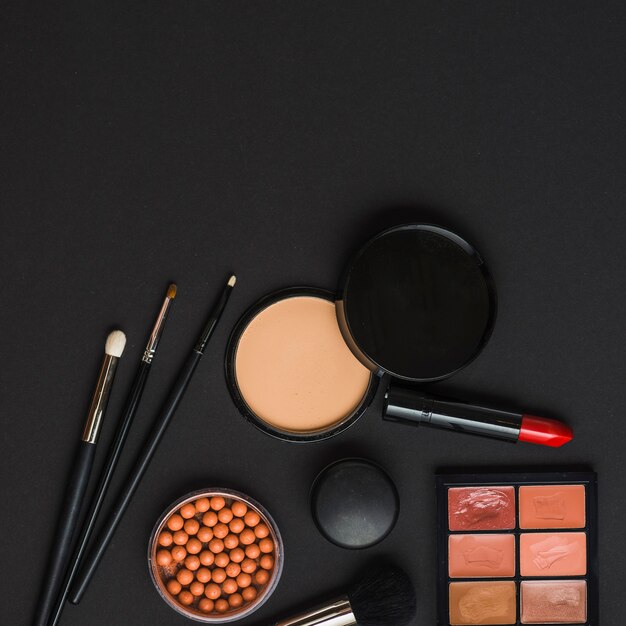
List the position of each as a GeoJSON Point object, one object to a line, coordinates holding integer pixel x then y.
{"type": "Point", "coordinates": [354, 503]}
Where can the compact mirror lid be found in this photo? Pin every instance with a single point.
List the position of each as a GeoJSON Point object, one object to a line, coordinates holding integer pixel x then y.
{"type": "Point", "coordinates": [417, 302]}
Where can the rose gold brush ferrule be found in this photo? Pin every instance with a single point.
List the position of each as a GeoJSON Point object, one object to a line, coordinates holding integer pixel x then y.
{"type": "Point", "coordinates": [155, 335]}
{"type": "Point", "coordinates": [337, 613]}
{"type": "Point", "coordinates": [100, 399]}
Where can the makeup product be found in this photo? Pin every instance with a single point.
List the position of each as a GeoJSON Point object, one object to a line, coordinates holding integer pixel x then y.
{"type": "Point", "coordinates": [291, 373]}
{"type": "Point", "coordinates": [405, 405]}
{"type": "Point", "coordinates": [79, 478]}
{"type": "Point", "coordinates": [384, 596]}
{"type": "Point", "coordinates": [354, 503]}
{"type": "Point", "coordinates": [142, 462]}
{"type": "Point", "coordinates": [416, 303]}
{"type": "Point", "coordinates": [132, 404]}
{"type": "Point", "coordinates": [517, 549]}
{"type": "Point", "coordinates": [215, 556]}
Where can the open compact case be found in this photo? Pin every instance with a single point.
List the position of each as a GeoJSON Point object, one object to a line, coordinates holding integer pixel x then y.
{"type": "Point", "coordinates": [417, 303]}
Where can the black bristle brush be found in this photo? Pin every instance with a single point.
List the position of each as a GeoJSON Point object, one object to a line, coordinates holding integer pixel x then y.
{"type": "Point", "coordinates": [385, 596]}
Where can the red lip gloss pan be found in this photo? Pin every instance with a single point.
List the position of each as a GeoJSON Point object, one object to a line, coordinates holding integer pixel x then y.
{"type": "Point", "coordinates": [407, 405]}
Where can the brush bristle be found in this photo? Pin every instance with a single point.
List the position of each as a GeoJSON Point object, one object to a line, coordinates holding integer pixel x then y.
{"type": "Point", "coordinates": [232, 280]}
{"type": "Point", "coordinates": [115, 343]}
{"type": "Point", "coordinates": [385, 596]}
{"type": "Point", "coordinates": [171, 291]}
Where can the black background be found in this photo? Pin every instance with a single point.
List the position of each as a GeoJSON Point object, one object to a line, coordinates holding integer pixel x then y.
{"type": "Point", "coordinates": [152, 141]}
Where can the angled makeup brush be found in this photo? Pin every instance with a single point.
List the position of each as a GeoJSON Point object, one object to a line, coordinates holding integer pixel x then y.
{"type": "Point", "coordinates": [384, 596]}
{"type": "Point", "coordinates": [132, 404]}
{"type": "Point", "coordinates": [79, 478]}
{"type": "Point", "coordinates": [150, 446]}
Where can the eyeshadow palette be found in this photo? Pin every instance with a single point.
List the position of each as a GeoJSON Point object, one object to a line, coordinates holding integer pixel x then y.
{"type": "Point", "coordinates": [517, 548]}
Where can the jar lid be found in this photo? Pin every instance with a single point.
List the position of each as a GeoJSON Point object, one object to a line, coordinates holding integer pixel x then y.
{"type": "Point", "coordinates": [354, 503]}
{"type": "Point", "coordinates": [417, 302]}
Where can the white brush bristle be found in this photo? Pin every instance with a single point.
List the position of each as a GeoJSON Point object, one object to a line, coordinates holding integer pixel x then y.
{"type": "Point", "coordinates": [115, 343]}
{"type": "Point", "coordinates": [232, 280]}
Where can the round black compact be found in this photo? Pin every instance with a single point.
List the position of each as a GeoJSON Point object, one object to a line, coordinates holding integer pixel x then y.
{"type": "Point", "coordinates": [417, 302]}
{"type": "Point", "coordinates": [354, 503]}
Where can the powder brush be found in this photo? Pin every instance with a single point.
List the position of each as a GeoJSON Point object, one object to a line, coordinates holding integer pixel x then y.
{"type": "Point", "coordinates": [79, 478]}
{"type": "Point", "coordinates": [384, 596]}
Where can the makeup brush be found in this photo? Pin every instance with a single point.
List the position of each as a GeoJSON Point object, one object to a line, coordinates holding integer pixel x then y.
{"type": "Point", "coordinates": [145, 456]}
{"type": "Point", "coordinates": [384, 596]}
{"type": "Point", "coordinates": [132, 404]}
{"type": "Point", "coordinates": [79, 478]}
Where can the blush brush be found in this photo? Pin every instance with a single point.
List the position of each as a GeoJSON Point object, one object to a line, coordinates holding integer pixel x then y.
{"type": "Point", "coordinates": [385, 596]}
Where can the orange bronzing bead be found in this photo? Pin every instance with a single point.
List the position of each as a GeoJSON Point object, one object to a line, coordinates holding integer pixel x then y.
{"type": "Point", "coordinates": [202, 505]}
{"type": "Point", "coordinates": [236, 600]}
{"type": "Point", "coordinates": [212, 591]}
{"type": "Point", "coordinates": [209, 518]}
{"type": "Point", "coordinates": [238, 508]}
{"type": "Point", "coordinates": [188, 510]}
{"type": "Point", "coordinates": [249, 594]}
{"type": "Point", "coordinates": [203, 575]}
{"type": "Point", "coordinates": [221, 606]}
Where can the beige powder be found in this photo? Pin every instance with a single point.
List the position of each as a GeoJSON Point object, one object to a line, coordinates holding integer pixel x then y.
{"type": "Point", "coordinates": [295, 371]}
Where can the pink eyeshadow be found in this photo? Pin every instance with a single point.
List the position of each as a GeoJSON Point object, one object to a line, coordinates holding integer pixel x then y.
{"type": "Point", "coordinates": [481, 508]}
{"type": "Point", "coordinates": [553, 554]}
{"type": "Point", "coordinates": [481, 556]}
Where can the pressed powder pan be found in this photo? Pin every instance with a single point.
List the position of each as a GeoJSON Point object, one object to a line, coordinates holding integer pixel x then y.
{"type": "Point", "coordinates": [416, 302]}
{"type": "Point", "coordinates": [289, 370]}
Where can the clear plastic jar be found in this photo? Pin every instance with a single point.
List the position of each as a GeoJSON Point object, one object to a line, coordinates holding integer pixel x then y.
{"type": "Point", "coordinates": [162, 574]}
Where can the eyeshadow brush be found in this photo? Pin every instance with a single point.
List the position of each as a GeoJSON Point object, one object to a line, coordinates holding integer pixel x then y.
{"type": "Point", "coordinates": [121, 434]}
{"type": "Point", "coordinates": [145, 456]}
{"type": "Point", "coordinates": [79, 478]}
{"type": "Point", "coordinates": [384, 596]}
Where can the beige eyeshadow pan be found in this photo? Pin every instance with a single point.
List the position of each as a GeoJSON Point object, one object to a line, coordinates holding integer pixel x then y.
{"type": "Point", "coordinates": [293, 370]}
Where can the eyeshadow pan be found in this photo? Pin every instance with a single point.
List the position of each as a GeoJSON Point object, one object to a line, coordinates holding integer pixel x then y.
{"type": "Point", "coordinates": [552, 506]}
{"type": "Point", "coordinates": [481, 556]}
{"type": "Point", "coordinates": [554, 602]}
{"type": "Point", "coordinates": [483, 603]}
{"type": "Point", "coordinates": [481, 508]}
{"type": "Point", "coordinates": [553, 554]}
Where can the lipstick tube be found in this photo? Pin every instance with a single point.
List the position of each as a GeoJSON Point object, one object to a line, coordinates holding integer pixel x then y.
{"type": "Point", "coordinates": [407, 405]}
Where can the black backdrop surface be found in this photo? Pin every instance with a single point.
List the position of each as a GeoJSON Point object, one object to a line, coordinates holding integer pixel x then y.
{"type": "Point", "coordinates": [152, 141]}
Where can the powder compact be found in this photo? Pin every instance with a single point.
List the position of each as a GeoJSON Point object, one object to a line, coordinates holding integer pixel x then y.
{"type": "Point", "coordinates": [215, 556]}
{"type": "Point", "coordinates": [517, 549]}
{"type": "Point", "coordinates": [416, 302]}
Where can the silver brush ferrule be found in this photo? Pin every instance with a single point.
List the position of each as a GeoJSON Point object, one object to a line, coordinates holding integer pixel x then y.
{"type": "Point", "coordinates": [335, 613]}
{"type": "Point", "coordinates": [155, 335]}
{"type": "Point", "coordinates": [100, 399]}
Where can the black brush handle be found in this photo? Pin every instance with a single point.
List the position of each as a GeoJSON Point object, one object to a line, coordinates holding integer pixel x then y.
{"type": "Point", "coordinates": [65, 531]}
{"type": "Point", "coordinates": [132, 482]}
{"type": "Point", "coordinates": [132, 403]}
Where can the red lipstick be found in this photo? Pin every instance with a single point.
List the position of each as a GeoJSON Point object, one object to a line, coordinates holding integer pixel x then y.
{"type": "Point", "coordinates": [408, 405]}
{"type": "Point", "coordinates": [544, 431]}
